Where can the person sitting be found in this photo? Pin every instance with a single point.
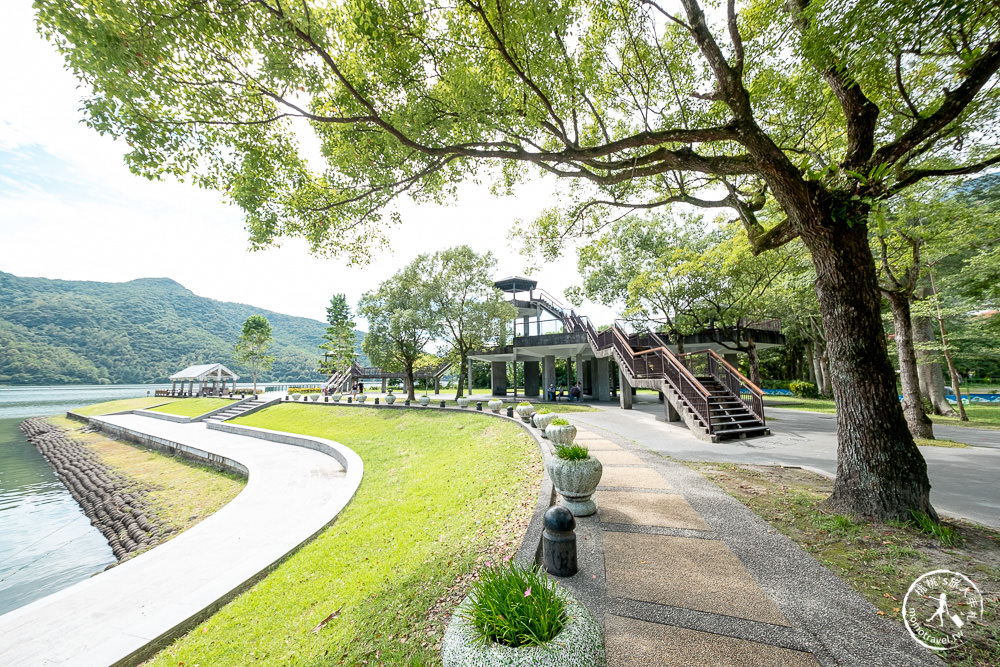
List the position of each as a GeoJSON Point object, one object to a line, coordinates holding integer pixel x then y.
{"type": "Point", "coordinates": [575, 393]}
{"type": "Point", "coordinates": [550, 393]}
{"type": "Point", "coordinates": [562, 392]}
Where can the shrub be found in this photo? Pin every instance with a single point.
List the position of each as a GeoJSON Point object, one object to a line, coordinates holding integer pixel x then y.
{"type": "Point", "coordinates": [542, 411]}
{"type": "Point", "coordinates": [524, 403]}
{"type": "Point", "coordinates": [559, 421]}
{"type": "Point", "coordinates": [515, 606]}
{"type": "Point", "coordinates": [572, 452]}
{"type": "Point", "coordinates": [804, 389]}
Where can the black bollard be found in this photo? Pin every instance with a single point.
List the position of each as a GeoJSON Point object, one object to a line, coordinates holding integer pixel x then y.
{"type": "Point", "coordinates": [510, 412]}
{"type": "Point", "coordinates": [348, 399]}
{"type": "Point", "coordinates": [479, 406]}
{"type": "Point", "coordinates": [559, 542]}
{"type": "Point", "coordinates": [442, 404]}
{"type": "Point", "coordinates": [326, 399]}
{"type": "Point", "coordinates": [406, 402]}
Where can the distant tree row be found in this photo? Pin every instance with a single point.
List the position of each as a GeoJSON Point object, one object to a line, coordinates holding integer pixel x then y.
{"type": "Point", "coordinates": [447, 298]}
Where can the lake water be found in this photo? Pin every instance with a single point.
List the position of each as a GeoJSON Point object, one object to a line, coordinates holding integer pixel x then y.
{"type": "Point", "coordinates": [46, 541]}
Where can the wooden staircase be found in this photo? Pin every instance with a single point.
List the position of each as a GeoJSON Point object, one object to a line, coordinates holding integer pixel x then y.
{"type": "Point", "coordinates": [714, 399]}
{"type": "Point", "coordinates": [730, 416]}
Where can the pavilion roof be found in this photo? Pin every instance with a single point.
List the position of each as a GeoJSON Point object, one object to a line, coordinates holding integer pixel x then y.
{"type": "Point", "coordinates": [201, 372]}
{"type": "Point", "coordinates": [516, 284]}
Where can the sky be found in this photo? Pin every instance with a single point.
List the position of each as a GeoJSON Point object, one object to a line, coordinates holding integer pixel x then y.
{"type": "Point", "coordinates": [70, 209]}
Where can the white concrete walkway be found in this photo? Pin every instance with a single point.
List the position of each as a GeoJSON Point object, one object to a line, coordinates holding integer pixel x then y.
{"type": "Point", "coordinates": [293, 492]}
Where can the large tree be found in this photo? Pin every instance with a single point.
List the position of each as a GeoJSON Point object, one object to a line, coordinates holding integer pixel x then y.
{"type": "Point", "coordinates": [253, 346]}
{"type": "Point", "coordinates": [401, 321]}
{"type": "Point", "coordinates": [800, 116]}
{"type": "Point", "coordinates": [472, 312]}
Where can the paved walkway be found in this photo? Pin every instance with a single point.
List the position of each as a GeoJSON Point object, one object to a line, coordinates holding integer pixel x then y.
{"type": "Point", "coordinates": [681, 573]}
{"type": "Point", "coordinates": [809, 439]}
{"type": "Point", "coordinates": [292, 493]}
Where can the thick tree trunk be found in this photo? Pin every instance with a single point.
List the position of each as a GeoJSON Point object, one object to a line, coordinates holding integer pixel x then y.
{"type": "Point", "coordinates": [754, 362]}
{"type": "Point", "coordinates": [913, 408]}
{"type": "Point", "coordinates": [463, 368]}
{"type": "Point", "coordinates": [825, 382]}
{"type": "Point", "coordinates": [880, 472]}
{"type": "Point", "coordinates": [410, 393]}
{"type": "Point", "coordinates": [929, 366]}
{"type": "Point", "coordinates": [812, 363]}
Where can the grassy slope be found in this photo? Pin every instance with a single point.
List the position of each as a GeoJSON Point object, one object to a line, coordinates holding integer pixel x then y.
{"type": "Point", "coordinates": [441, 493]}
{"type": "Point", "coordinates": [193, 407]}
{"type": "Point", "coordinates": [183, 492]}
{"type": "Point", "coordinates": [122, 405]}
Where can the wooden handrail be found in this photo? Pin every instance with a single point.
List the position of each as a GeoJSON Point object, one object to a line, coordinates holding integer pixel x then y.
{"type": "Point", "coordinates": [742, 377]}
{"type": "Point", "coordinates": [670, 355]}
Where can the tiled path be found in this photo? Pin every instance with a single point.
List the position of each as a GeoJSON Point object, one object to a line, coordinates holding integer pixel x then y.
{"type": "Point", "coordinates": [291, 494]}
{"type": "Point", "coordinates": [683, 574]}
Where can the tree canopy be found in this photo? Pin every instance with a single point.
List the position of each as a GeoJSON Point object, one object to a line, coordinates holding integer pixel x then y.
{"type": "Point", "coordinates": [253, 345]}
{"type": "Point", "coordinates": [801, 117]}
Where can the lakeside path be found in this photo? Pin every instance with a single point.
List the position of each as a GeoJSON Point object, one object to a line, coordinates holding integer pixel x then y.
{"type": "Point", "coordinates": [292, 493]}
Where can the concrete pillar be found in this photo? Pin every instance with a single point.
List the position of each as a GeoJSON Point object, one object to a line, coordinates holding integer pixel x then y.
{"type": "Point", "coordinates": [383, 385]}
{"type": "Point", "coordinates": [498, 378]}
{"type": "Point", "coordinates": [602, 380]}
{"type": "Point", "coordinates": [437, 385]}
{"type": "Point", "coordinates": [531, 378]}
{"type": "Point", "coordinates": [624, 396]}
{"type": "Point", "coordinates": [468, 364]}
{"type": "Point", "coordinates": [548, 372]}
{"type": "Point", "coordinates": [527, 323]}
{"type": "Point", "coordinates": [669, 413]}
{"type": "Point", "coordinates": [579, 370]}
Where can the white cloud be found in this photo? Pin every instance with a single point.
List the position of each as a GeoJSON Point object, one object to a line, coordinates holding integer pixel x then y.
{"type": "Point", "coordinates": [89, 218]}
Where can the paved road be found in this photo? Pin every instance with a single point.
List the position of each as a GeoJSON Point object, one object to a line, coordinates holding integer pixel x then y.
{"type": "Point", "coordinates": [963, 480]}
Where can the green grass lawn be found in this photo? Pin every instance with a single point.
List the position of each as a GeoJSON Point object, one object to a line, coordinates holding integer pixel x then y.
{"type": "Point", "coordinates": [442, 493]}
{"type": "Point", "coordinates": [193, 407]}
{"type": "Point", "coordinates": [121, 405]}
{"type": "Point", "coordinates": [980, 415]}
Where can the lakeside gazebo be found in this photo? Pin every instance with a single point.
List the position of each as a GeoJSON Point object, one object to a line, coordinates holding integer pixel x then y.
{"type": "Point", "coordinates": [211, 379]}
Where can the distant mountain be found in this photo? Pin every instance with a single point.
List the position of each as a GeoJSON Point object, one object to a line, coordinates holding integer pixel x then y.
{"type": "Point", "coordinates": [142, 331]}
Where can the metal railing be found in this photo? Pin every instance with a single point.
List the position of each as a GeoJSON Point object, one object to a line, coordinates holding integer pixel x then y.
{"type": "Point", "coordinates": [656, 363]}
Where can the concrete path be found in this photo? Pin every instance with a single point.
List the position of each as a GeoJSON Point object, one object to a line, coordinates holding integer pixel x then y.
{"type": "Point", "coordinates": [681, 573]}
{"type": "Point", "coordinates": [292, 493]}
{"type": "Point", "coordinates": [962, 479]}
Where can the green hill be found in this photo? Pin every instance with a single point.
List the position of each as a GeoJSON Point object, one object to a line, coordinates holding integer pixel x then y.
{"type": "Point", "coordinates": [61, 331]}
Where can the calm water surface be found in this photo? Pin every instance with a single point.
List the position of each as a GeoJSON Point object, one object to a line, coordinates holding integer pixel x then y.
{"type": "Point", "coordinates": [46, 541]}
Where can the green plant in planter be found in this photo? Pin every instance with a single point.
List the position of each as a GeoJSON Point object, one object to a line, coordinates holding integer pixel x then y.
{"type": "Point", "coordinates": [518, 616]}
{"type": "Point", "coordinates": [572, 452]}
{"type": "Point", "coordinates": [515, 606]}
{"type": "Point", "coordinates": [524, 403]}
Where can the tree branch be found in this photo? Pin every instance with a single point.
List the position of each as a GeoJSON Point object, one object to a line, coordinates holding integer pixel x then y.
{"type": "Point", "coordinates": [954, 102]}
{"type": "Point", "coordinates": [911, 177]}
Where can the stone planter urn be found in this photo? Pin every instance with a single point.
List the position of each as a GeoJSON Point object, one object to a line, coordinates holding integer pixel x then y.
{"type": "Point", "coordinates": [362, 398]}
{"type": "Point", "coordinates": [463, 402]}
{"type": "Point", "coordinates": [494, 404]}
{"type": "Point", "coordinates": [296, 397]}
{"type": "Point", "coordinates": [576, 482]}
{"type": "Point", "coordinates": [525, 412]}
{"type": "Point", "coordinates": [579, 644]}
{"type": "Point", "coordinates": [563, 434]}
{"type": "Point", "coordinates": [543, 419]}
{"type": "Point", "coordinates": [390, 399]}
{"type": "Point", "coordinates": [425, 400]}
{"type": "Point", "coordinates": [335, 398]}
